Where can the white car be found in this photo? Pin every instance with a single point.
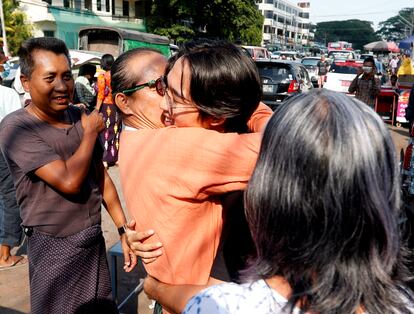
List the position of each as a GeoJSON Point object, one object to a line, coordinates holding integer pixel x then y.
{"type": "Point", "coordinates": [341, 74]}
{"type": "Point", "coordinates": [342, 54]}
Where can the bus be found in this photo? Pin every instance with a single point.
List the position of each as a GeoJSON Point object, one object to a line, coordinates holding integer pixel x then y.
{"type": "Point", "coordinates": [117, 40]}
{"type": "Point", "coordinates": [339, 45]}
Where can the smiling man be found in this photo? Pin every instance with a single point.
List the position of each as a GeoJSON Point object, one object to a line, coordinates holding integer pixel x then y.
{"type": "Point", "coordinates": [60, 181]}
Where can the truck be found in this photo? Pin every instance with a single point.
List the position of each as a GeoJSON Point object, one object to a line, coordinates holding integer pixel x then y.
{"type": "Point", "coordinates": [115, 41]}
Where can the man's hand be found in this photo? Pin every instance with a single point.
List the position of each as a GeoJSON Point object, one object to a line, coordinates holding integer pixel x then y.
{"type": "Point", "coordinates": [130, 259]}
{"type": "Point", "coordinates": [92, 123]}
{"type": "Point", "coordinates": [148, 252]}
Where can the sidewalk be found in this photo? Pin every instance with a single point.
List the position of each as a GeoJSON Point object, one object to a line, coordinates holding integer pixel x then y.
{"type": "Point", "coordinates": [14, 282]}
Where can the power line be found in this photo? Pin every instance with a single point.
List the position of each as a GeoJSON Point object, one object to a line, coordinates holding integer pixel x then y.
{"type": "Point", "coordinates": [355, 14]}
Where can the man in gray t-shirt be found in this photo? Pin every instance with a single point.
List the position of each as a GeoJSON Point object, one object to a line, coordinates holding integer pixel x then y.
{"type": "Point", "coordinates": [51, 150]}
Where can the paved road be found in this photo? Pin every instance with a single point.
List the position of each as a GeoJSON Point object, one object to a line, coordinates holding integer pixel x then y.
{"type": "Point", "coordinates": [14, 283]}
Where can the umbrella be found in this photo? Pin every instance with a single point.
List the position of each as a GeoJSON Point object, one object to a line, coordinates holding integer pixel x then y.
{"type": "Point", "coordinates": [382, 46]}
{"type": "Point", "coordinates": [406, 43]}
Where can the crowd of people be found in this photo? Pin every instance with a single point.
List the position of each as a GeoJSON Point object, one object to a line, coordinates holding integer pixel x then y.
{"type": "Point", "coordinates": [234, 208]}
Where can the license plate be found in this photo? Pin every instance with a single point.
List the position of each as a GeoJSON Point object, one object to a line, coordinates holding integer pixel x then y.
{"type": "Point", "coordinates": [345, 83]}
{"type": "Point", "coordinates": [267, 88]}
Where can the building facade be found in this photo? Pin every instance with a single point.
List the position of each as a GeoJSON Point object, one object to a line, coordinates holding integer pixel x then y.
{"type": "Point", "coordinates": [64, 18]}
{"type": "Point", "coordinates": [286, 24]}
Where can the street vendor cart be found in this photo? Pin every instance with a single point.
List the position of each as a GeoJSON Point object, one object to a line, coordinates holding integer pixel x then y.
{"type": "Point", "coordinates": [405, 82]}
{"type": "Point", "coordinates": [386, 104]}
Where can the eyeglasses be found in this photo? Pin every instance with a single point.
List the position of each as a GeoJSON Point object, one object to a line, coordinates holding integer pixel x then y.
{"type": "Point", "coordinates": [159, 84]}
{"type": "Point", "coordinates": [172, 105]}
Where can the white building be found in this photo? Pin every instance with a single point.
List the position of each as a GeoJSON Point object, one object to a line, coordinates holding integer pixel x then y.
{"type": "Point", "coordinates": [286, 24]}
{"type": "Point", "coordinates": [63, 18]}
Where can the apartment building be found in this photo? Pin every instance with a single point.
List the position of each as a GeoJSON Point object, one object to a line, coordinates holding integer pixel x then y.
{"type": "Point", "coordinates": [64, 18]}
{"type": "Point", "coordinates": [286, 24]}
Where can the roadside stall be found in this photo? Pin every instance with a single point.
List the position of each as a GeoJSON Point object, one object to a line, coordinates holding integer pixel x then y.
{"type": "Point", "coordinates": [386, 104]}
{"type": "Point", "coordinates": [405, 84]}
{"type": "Point", "coordinates": [387, 99]}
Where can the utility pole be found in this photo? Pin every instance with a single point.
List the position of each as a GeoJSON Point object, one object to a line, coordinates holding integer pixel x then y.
{"type": "Point", "coordinates": [3, 31]}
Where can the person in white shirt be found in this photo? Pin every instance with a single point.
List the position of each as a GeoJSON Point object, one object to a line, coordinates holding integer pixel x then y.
{"type": "Point", "coordinates": [394, 65]}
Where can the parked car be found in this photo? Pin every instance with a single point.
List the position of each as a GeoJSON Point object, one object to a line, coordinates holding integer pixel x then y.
{"type": "Point", "coordinates": [257, 53]}
{"type": "Point", "coordinates": [281, 80]}
{"type": "Point", "coordinates": [311, 65]}
{"type": "Point", "coordinates": [341, 74]}
{"type": "Point", "coordinates": [342, 54]}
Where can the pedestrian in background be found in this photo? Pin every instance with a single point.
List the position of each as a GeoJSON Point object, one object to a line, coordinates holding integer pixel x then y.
{"type": "Point", "coordinates": [365, 85]}
{"type": "Point", "coordinates": [84, 92]}
{"type": "Point", "coordinates": [109, 137]}
{"type": "Point", "coordinates": [323, 67]}
{"type": "Point", "coordinates": [10, 221]}
{"type": "Point", "coordinates": [393, 64]}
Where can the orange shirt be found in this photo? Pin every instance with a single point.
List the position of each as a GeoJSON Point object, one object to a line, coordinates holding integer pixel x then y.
{"type": "Point", "coordinates": [171, 180]}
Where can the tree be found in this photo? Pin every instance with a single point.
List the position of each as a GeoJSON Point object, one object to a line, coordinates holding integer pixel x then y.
{"type": "Point", "coordinates": [17, 27]}
{"type": "Point", "coordinates": [182, 20]}
{"type": "Point", "coordinates": [356, 32]}
{"type": "Point", "coordinates": [395, 28]}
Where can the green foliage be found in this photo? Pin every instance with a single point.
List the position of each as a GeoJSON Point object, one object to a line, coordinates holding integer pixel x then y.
{"type": "Point", "coordinates": [394, 29]}
{"type": "Point", "coordinates": [17, 28]}
{"type": "Point", "coordinates": [356, 32]}
{"type": "Point", "coordinates": [182, 20]}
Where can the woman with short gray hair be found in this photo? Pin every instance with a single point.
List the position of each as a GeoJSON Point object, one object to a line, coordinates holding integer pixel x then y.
{"type": "Point", "coordinates": [323, 206]}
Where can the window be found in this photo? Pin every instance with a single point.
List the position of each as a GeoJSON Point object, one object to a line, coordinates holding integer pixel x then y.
{"type": "Point", "coordinates": [142, 9]}
{"type": "Point", "coordinates": [268, 14]}
{"type": "Point", "coordinates": [267, 29]}
{"type": "Point", "coordinates": [88, 5]}
{"type": "Point", "coordinates": [98, 5]}
{"type": "Point", "coordinates": [66, 3]}
{"type": "Point", "coordinates": [107, 6]}
{"type": "Point", "coordinates": [274, 17]}
{"type": "Point", "coordinates": [125, 8]}
{"type": "Point", "coordinates": [281, 19]}
{"type": "Point", "coordinates": [304, 15]}
{"type": "Point", "coordinates": [48, 1]}
{"type": "Point", "coordinates": [269, 1]}
{"type": "Point", "coordinates": [49, 33]}
{"type": "Point", "coordinates": [288, 9]}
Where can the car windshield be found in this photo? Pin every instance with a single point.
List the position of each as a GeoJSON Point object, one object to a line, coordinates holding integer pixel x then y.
{"type": "Point", "coordinates": [343, 68]}
{"type": "Point", "coordinates": [277, 72]}
{"type": "Point", "coordinates": [310, 62]}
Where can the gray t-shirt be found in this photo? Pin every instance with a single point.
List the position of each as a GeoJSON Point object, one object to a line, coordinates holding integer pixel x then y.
{"type": "Point", "coordinates": [28, 144]}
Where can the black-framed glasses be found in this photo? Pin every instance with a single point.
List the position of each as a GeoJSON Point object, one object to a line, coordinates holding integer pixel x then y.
{"type": "Point", "coordinates": [159, 84]}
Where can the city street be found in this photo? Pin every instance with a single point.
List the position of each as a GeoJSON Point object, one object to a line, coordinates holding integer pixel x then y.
{"type": "Point", "coordinates": [14, 283]}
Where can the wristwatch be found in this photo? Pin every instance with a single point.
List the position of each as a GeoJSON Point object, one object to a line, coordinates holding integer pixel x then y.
{"type": "Point", "coordinates": [122, 230]}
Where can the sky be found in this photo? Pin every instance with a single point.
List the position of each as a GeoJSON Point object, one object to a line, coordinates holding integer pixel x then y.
{"type": "Point", "coordinates": [368, 10]}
